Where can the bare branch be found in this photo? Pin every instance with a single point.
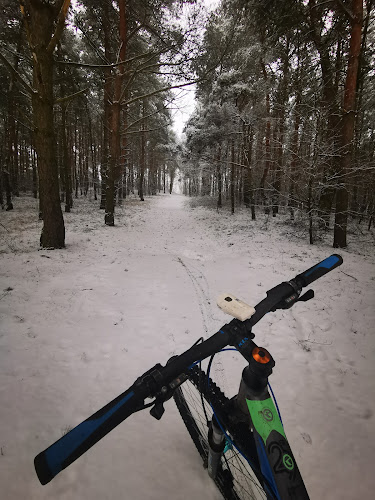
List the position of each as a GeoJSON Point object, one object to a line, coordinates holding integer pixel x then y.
{"type": "Point", "coordinates": [93, 44]}
{"type": "Point", "coordinates": [17, 75]}
{"type": "Point", "coordinates": [345, 9]}
{"type": "Point", "coordinates": [71, 96]}
{"type": "Point", "coordinates": [59, 26]}
{"type": "Point", "coordinates": [142, 118]}
{"type": "Point", "coordinates": [139, 131]}
{"type": "Point", "coordinates": [113, 65]}
{"type": "Point", "coordinates": [164, 89]}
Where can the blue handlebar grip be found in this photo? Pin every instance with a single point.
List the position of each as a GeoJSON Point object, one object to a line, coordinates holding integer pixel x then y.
{"type": "Point", "coordinates": [76, 442]}
{"type": "Point", "coordinates": [320, 269]}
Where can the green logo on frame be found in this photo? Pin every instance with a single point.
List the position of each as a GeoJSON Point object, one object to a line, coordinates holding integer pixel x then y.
{"type": "Point", "coordinates": [288, 462]}
{"type": "Point", "coordinates": [267, 414]}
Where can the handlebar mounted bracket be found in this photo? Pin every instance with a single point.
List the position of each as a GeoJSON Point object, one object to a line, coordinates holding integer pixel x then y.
{"type": "Point", "coordinates": [241, 336]}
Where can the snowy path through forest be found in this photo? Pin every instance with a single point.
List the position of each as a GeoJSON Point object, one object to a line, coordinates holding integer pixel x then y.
{"type": "Point", "coordinates": [79, 325]}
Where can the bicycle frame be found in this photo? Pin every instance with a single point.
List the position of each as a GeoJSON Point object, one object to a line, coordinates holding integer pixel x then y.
{"type": "Point", "coordinates": [278, 472]}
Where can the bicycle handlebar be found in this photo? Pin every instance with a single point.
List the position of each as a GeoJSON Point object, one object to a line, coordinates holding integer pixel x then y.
{"type": "Point", "coordinates": [319, 270]}
{"type": "Point", "coordinates": [80, 439]}
{"type": "Point", "coordinates": [286, 294]}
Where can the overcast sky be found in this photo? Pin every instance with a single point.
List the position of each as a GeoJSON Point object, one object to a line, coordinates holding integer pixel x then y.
{"type": "Point", "coordinates": [184, 105]}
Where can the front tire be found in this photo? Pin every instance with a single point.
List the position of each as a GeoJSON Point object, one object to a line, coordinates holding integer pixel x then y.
{"type": "Point", "coordinates": [235, 478]}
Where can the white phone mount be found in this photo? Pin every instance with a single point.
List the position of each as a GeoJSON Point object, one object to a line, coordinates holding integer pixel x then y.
{"type": "Point", "coordinates": [235, 307]}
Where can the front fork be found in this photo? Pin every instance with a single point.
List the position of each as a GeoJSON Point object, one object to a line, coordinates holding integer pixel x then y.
{"type": "Point", "coordinates": [216, 442]}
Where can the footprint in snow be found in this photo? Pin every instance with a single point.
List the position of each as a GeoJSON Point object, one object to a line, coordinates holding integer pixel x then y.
{"type": "Point", "coordinates": [31, 334]}
{"type": "Point", "coordinates": [366, 414]}
{"type": "Point", "coordinates": [306, 437]}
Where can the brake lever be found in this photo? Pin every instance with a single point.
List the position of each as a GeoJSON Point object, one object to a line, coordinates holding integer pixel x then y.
{"type": "Point", "coordinates": [292, 299]}
{"type": "Point", "coordinates": [157, 411]}
{"type": "Point", "coordinates": [306, 296]}
{"type": "Point", "coordinates": [165, 393]}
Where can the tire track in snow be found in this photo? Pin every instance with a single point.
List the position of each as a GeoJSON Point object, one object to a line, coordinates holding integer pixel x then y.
{"type": "Point", "coordinates": [200, 294]}
{"type": "Point", "coordinates": [206, 317]}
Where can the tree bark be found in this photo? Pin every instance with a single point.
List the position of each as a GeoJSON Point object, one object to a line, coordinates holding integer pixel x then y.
{"type": "Point", "coordinates": [348, 124]}
{"type": "Point", "coordinates": [219, 179]}
{"type": "Point", "coordinates": [1, 190]}
{"type": "Point", "coordinates": [13, 163]}
{"type": "Point", "coordinates": [232, 178]}
{"type": "Point", "coordinates": [267, 155]}
{"type": "Point", "coordinates": [282, 99]}
{"type": "Point", "coordinates": [35, 175]}
{"type": "Point", "coordinates": [142, 160]}
{"type": "Point", "coordinates": [8, 190]}
{"type": "Point", "coordinates": [295, 161]}
{"type": "Point", "coordinates": [44, 24]}
{"type": "Point", "coordinates": [331, 68]}
{"type": "Point", "coordinates": [248, 195]}
{"type": "Point", "coordinates": [114, 145]}
{"type": "Point", "coordinates": [66, 162]}
{"type": "Point", "coordinates": [106, 105]}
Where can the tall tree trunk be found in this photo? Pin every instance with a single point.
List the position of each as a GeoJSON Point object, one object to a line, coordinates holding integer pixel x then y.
{"type": "Point", "coordinates": [114, 145]}
{"type": "Point", "coordinates": [331, 67]}
{"type": "Point", "coordinates": [295, 161]}
{"type": "Point", "coordinates": [172, 173]}
{"type": "Point", "coordinates": [123, 160]}
{"type": "Point", "coordinates": [219, 179]}
{"type": "Point", "coordinates": [1, 189]}
{"type": "Point", "coordinates": [75, 174]}
{"type": "Point", "coordinates": [66, 162]}
{"type": "Point", "coordinates": [232, 177]}
{"type": "Point", "coordinates": [8, 190]}
{"type": "Point", "coordinates": [282, 99]}
{"type": "Point", "coordinates": [142, 160]}
{"type": "Point", "coordinates": [106, 104]}
{"type": "Point", "coordinates": [267, 163]}
{"type": "Point", "coordinates": [35, 175]}
{"type": "Point", "coordinates": [280, 143]}
{"type": "Point", "coordinates": [92, 148]}
{"type": "Point", "coordinates": [13, 157]}
{"type": "Point", "coordinates": [44, 24]}
{"type": "Point", "coordinates": [248, 195]}
{"type": "Point", "coordinates": [65, 174]}
{"type": "Point", "coordinates": [348, 123]}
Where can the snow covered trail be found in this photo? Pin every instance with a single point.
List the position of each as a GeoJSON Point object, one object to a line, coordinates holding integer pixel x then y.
{"type": "Point", "coordinates": [77, 326]}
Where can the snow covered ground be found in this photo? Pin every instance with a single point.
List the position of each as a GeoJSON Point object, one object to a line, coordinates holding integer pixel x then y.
{"type": "Point", "coordinates": [77, 326]}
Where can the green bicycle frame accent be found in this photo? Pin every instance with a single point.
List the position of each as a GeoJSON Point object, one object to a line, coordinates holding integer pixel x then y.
{"type": "Point", "coordinates": [275, 455]}
{"type": "Point", "coordinates": [265, 417]}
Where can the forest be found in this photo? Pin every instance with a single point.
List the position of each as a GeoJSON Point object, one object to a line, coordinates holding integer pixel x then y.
{"type": "Point", "coordinates": [129, 208]}
{"type": "Point", "coordinates": [283, 123]}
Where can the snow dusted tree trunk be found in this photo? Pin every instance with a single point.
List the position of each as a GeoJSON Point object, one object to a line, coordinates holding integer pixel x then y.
{"type": "Point", "coordinates": [44, 26]}
{"type": "Point", "coordinates": [107, 96]}
{"type": "Point", "coordinates": [283, 96]}
{"type": "Point", "coordinates": [114, 144]}
{"type": "Point", "coordinates": [232, 177]}
{"type": "Point", "coordinates": [267, 155]}
{"type": "Point", "coordinates": [295, 159]}
{"type": "Point", "coordinates": [142, 160]}
{"type": "Point", "coordinates": [219, 179]}
{"type": "Point", "coordinates": [348, 123]}
{"type": "Point", "coordinates": [330, 67]}
{"type": "Point", "coordinates": [8, 190]}
{"type": "Point", "coordinates": [248, 195]}
{"type": "Point", "coordinates": [66, 162]}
